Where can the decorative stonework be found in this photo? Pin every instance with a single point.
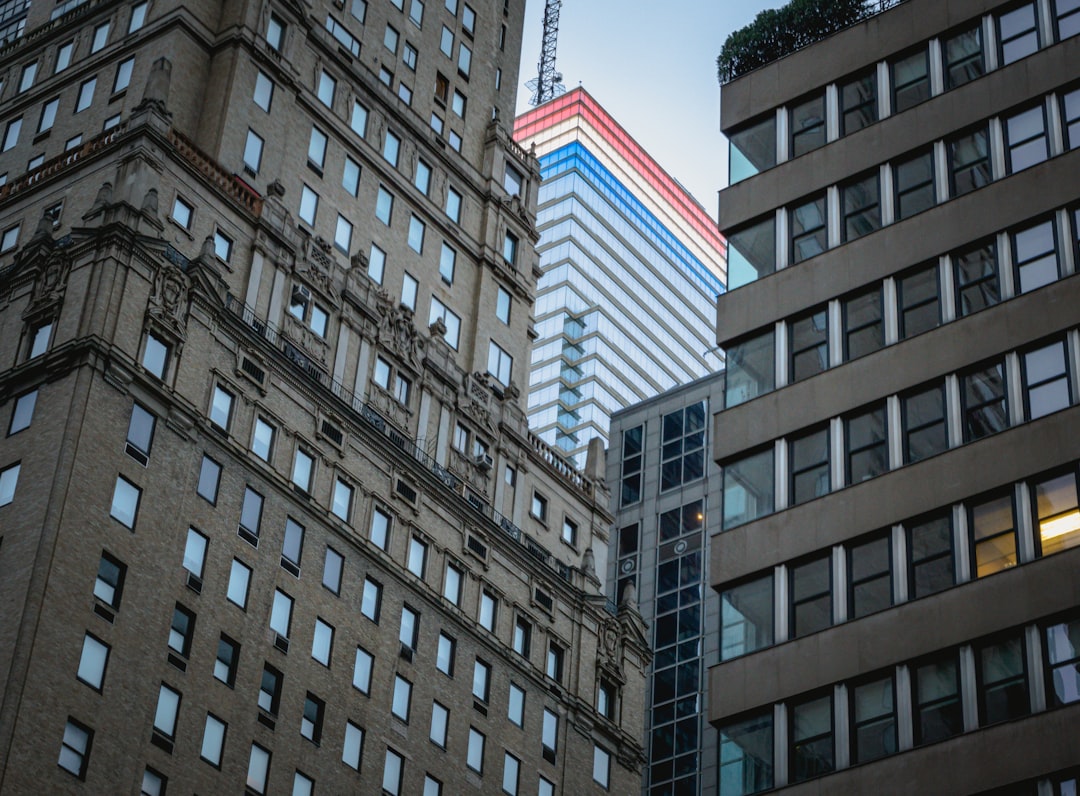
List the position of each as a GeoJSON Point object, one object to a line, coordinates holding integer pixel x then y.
{"type": "Point", "coordinates": [313, 345]}
{"type": "Point", "coordinates": [397, 332]}
{"type": "Point", "coordinates": [51, 283]}
{"type": "Point", "coordinates": [169, 300]}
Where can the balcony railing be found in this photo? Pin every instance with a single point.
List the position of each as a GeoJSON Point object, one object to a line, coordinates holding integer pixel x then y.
{"type": "Point", "coordinates": [60, 163]}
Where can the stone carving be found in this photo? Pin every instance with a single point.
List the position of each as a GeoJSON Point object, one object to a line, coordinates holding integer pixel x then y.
{"type": "Point", "coordinates": [169, 299]}
{"type": "Point", "coordinates": [310, 342]}
{"type": "Point", "coordinates": [51, 282]}
{"type": "Point", "coordinates": [397, 330]}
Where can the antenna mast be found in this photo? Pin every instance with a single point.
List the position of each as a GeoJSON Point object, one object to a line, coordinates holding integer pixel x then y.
{"type": "Point", "coordinates": [548, 83]}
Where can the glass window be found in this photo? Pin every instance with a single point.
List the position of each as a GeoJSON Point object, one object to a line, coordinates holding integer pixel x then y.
{"type": "Point", "coordinates": [239, 580]}
{"type": "Point", "coordinates": [92, 662]}
{"type": "Point", "coordinates": [312, 719]}
{"type": "Point", "coordinates": [452, 585]}
{"type": "Point", "coordinates": [309, 204]}
{"type": "Point", "coordinates": [992, 522]}
{"type": "Point", "coordinates": [168, 706]}
{"type": "Point", "coordinates": [811, 596]}
{"type": "Point", "coordinates": [911, 80]}
{"type": "Point", "coordinates": [481, 682]}
{"type": "Point", "coordinates": [48, 116]}
{"type": "Point", "coordinates": [809, 345]}
{"type": "Point", "coordinates": [858, 103]}
{"type": "Point", "coordinates": [209, 478]}
{"type": "Point", "coordinates": [409, 629]}
{"type": "Point", "coordinates": [379, 533]}
{"type": "Point", "coordinates": [228, 657]}
{"type": "Point", "coordinates": [464, 61]}
{"type": "Point", "coordinates": [549, 735]}
{"type": "Point", "coordinates": [63, 56]}
{"type": "Point", "coordinates": [601, 770]}
{"type": "Point", "coordinates": [515, 710]}
{"type": "Point", "coordinates": [746, 756]}
{"type": "Point", "coordinates": [750, 369]}
{"type": "Point", "coordinates": [416, 234]}
{"type": "Point", "coordinates": [1002, 680]}
{"type": "Point", "coordinates": [444, 656]}
{"type": "Point", "coordinates": [924, 417]}
{"type": "Point", "coordinates": [864, 326]}
{"type": "Point", "coordinates": [251, 515]}
{"type": "Point", "coordinates": [860, 206]}
{"type": "Point", "coordinates": [683, 446]}
{"type": "Point", "coordinates": [453, 205]}
{"type": "Point", "coordinates": [393, 766]}
{"type": "Point", "coordinates": [1045, 375]}
{"type": "Point", "coordinates": [632, 459]}
{"type": "Point", "coordinates": [1026, 141]}
{"type": "Point", "coordinates": [1035, 256]}
{"type": "Point", "coordinates": [807, 123]}
{"type": "Point", "coordinates": [748, 488]}
{"type": "Point", "coordinates": [123, 75]}
{"type": "Point", "coordinates": [439, 720]}
{"type": "Point", "coordinates": [873, 731]}
{"type": "Point", "coordinates": [281, 613]}
{"type": "Point", "coordinates": [510, 248]}
{"type": "Point", "coordinates": [9, 478]}
{"type": "Point", "coordinates": [109, 584]}
{"type": "Point", "coordinates": [75, 748]}
{"type": "Point", "coordinates": [936, 697]}
{"type": "Point", "coordinates": [399, 704]}
{"type": "Point", "coordinates": [1070, 106]}
{"type": "Point", "coordinates": [1063, 661]}
{"type": "Point", "coordinates": [503, 302]}
{"type": "Point", "coordinates": [155, 356]}
{"type": "Point", "coordinates": [353, 746]}
{"type": "Point", "coordinates": [332, 567]}
{"type": "Point", "coordinates": [384, 206]}
{"type": "Point", "coordinates": [264, 91]}
{"type": "Point", "coordinates": [258, 762]}
{"type": "Point", "coordinates": [982, 393]}
{"type": "Point", "coordinates": [317, 148]}
{"type": "Point", "coordinates": [963, 56]}
{"type": "Point", "coordinates": [125, 501]}
{"type": "Point", "coordinates": [362, 666]}
{"type": "Point", "coordinates": [976, 274]}
{"type": "Point", "coordinates": [195, 552]}
{"type": "Point", "coordinates": [101, 37]}
{"type": "Point", "coordinates": [812, 746]}
{"type": "Point", "coordinates": [213, 741]}
{"type": "Point", "coordinates": [140, 434]}
{"type": "Point", "coordinates": [262, 439]}
{"type": "Point", "coordinates": [809, 455]}
{"type": "Point", "coordinates": [930, 556]}
{"type": "Point", "coordinates": [327, 87]}
{"type": "Point", "coordinates": [752, 149]}
{"type": "Point", "coordinates": [969, 161]}
{"type": "Point", "coordinates": [1057, 513]}
{"type": "Point", "coordinates": [917, 293]}
{"type": "Point", "coordinates": [500, 363]}
{"type": "Point", "coordinates": [914, 179]}
{"type": "Point", "coordinates": [869, 577]}
{"type": "Point", "coordinates": [270, 689]}
{"type": "Point", "coordinates": [867, 445]}
{"type": "Point", "coordinates": [809, 234]}
{"type": "Point", "coordinates": [746, 618]}
{"type": "Point", "coordinates": [292, 546]}
{"type": "Point", "coordinates": [751, 252]}
{"type": "Point", "coordinates": [1018, 33]}
{"type": "Point", "coordinates": [475, 757]}
{"type": "Point", "coordinates": [1067, 14]}
{"type": "Point", "coordinates": [11, 134]}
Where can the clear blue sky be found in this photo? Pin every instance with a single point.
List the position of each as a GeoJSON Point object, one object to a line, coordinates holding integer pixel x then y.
{"type": "Point", "coordinates": [652, 65]}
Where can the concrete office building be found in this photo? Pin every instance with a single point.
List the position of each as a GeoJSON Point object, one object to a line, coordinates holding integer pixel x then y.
{"type": "Point", "coordinates": [631, 267]}
{"type": "Point", "coordinates": [271, 517]}
{"type": "Point", "coordinates": [667, 498]}
{"type": "Point", "coordinates": [900, 535]}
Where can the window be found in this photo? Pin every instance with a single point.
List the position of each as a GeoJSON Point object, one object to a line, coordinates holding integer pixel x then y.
{"type": "Point", "coordinates": [326, 89]}
{"type": "Point", "coordinates": [746, 755]}
{"type": "Point", "coordinates": [399, 706]}
{"type": "Point", "coordinates": [1056, 513]}
{"type": "Point", "coordinates": [353, 746]}
{"type": "Point", "coordinates": [379, 533]}
{"type": "Point", "coordinates": [1035, 256]}
{"type": "Point", "coordinates": [343, 500]}
{"type": "Point", "coordinates": [936, 697]}
{"type": "Point", "coordinates": [227, 660]}
{"type": "Point", "coordinates": [409, 287]}
{"type": "Point", "coordinates": [155, 355]}
{"type": "Point", "coordinates": [371, 601]}
{"type": "Point", "coordinates": [264, 91]}
{"type": "Point", "coordinates": [682, 457]}
{"type": "Point", "coordinates": [917, 293]}
{"type": "Point", "coordinates": [239, 580]}
{"type": "Point", "coordinates": [317, 148]}
{"type": "Point", "coordinates": [512, 180]}
{"type": "Point", "coordinates": [468, 19]}
{"type": "Point", "coordinates": [809, 456]}
{"type": "Point", "coordinates": [911, 80]}
{"type": "Point", "coordinates": [750, 370]}
{"type": "Point", "coordinates": [914, 178]}
{"type": "Point", "coordinates": [195, 552]}
{"type": "Point", "coordinates": [221, 407]}
{"type": "Point", "coordinates": [262, 439]}
{"type": "Point", "coordinates": [510, 248]}
{"type": "Point", "coordinates": [350, 176]}
{"type": "Point", "coordinates": [168, 706]}
{"type": "Point", "coordinates": [569, 531]}
{"type": "Point", "coordinates": [75, 748]}
{"type": "Point", "coordinates": [259, 760]}
{"type": "Point", "coordinates": [270, 689]}
{"type": "Point", "coordinates": [515, 710]}
{"type": "Point", "coordinates": [444, 655]}
{"type": "Point", "coordinates": [439, 720]}
{"type": "Point", "coordinates": [861, 208]}
{"type": "Point", "coordinates": [811, 596]}
{"type": "Point", "coordinates": [807, 125]}
{"type": "Point", "coordinates": [867, 445]}
{"type": "Point", "coordinates": [601, 767]}
{"type": "Point", "coordinates": [976, 276]}
{"type": "Point", "coordinates": [511, 773]}
{"type": "Point", "coordinates": [123, 75]}
{"type": "Point", "coordinates": [409, 629]}
{"type": "Point", "coordinates": [63, 56]}
{"type": "Point", "coordinates": [384, 206]}
{"type": "Point", "coordinates": [101, 37]}
{"type": "Point", "coordinates": [8, 242]}
{"type": "Point", "coordinates": [809, 234]}
{"type": "Point", "coordinates": [502, 305]}
{"type": "Point", "coordinates": [23, 412]}
{"type": "Point", "coordinates": [11, 133]}
{"type": "Point", "coordinates": [332, 566]}
{"type": "Point", "coordinates": [358, 119]}
{"type": "Point", "coordinates": [748, 488]}
{"type": "Point", "coordinates": [553, 666]}
{"type": "Point", "coordinates": [539, 507]}
{"type": "Point", "coordinates": [858, 103]}
{"type": "Point", "coordinates": [312, 719]}
{"type": "Point", "coordinates": [481, 681]}
{"type": "Point", "coordinates": [303, 470]}
{"type": "Point", "coordinates": [475, 757]}
{"type": "Point", "coordinates": [140, 434]}
{"type": "Point", "coordinates": [153, 783]}
{"type": "Point", "coordinates": [416, 234]}
{"type": "Point", "coordinates": [864, 327]}
{"type": "Point", "coordinates": [522, 636]}
{"type": "Point", "coordinates": [1063, 661]}
{"type": "Point", "coordinates": [309, 205]}
{"type": "Point", "coordinates": [963, 56]}
{"type": "Point", "coordinates": [48, 115]}
{"type": "Point", "coordinates": [9, 478]}
{"type": "Point", "coordinates": [417, 561]}
{"type": "Point", "coordinates": [455, 141]}
{"type": "Point", "coordinates": [969, 161]}
{"type": "Point", "coordinates": [1002, 680]}
{"type": "Point", "coordinates": [1070, 107]}
{"type": "Point", "coordinates": [549, 733]}
{"type": "Point", "coordinates": [362, 666]}
{"type": "Point", "coordinates": [1045, 376]}
{"type": "Point", "coordinates": [422, 177]}
{"type": "Point", "coordinates": [809, 345]}
{"type": "Point", "coordinates": [303, 785]}
{"type": "Point", "coordinates": [452, 584]}
{"type": "Point", "coordinates": [873, 731]}
{"type": "Point", "coordinates": [250, 516]}
{"type": "Point", "coordinates": [500, 364]}
{"type": "Point", "coordinates": [213, 742]}
{"type": "Point", "coordinates": [812, 744]}
{"type": "Point", "coordinates": [222, 246]}
{"type": "Point", "coordinates": [86, 95]}
{"type": "Point", "coordinates": [446, 42]}
{"type": "Point", "coordinates": [930, 556]}
{"type": "Point", "coordinates": [982, 393]}
{"type": "Point", "coordinates": [605, 699]}
{"type": "Point", "coordinates": [392, 769]}
{"type": "Point", "coordinates": [464, 63]}
{"type": "Point", "coordinates": [1026, 141]}
{"type": "Point", "coordinates": [992, 522]}
{"type": "Point", "coordinates": [924, 425]}
{"type": "Point", "coordinates": [869, 577]}
{"type": "Point", "coordinates": [322, 642]}
{"type": "Point", "coordinates": [92, 662]}
{"type": "Point", "coordinates": [453, 205]}
{"type": "Point", "coordinates": [1018, 33]}
{"type": "Point", "coordinates": [125, 501]}
{"type": "Point", "coordinates": [746, 618]}
{"type": "Point", "coordinates": [281, 613]}
{"type": "Point", "coordinates": [409, 55]}
{"type": "Point", "coordinates": [182, 213]}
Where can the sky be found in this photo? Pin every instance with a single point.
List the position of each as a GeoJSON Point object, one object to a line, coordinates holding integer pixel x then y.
{"type": "Point", "coordinates": [652, 65]}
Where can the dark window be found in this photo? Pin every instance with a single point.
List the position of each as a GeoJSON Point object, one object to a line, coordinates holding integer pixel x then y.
{"type": "Point", "coordinates": [963, 55]}
{"type": "Point", "coordinates": [109, 584]}
{"type": "Point", "coordinates": [911, 80]}
{"type": "Point", "coordinates": [873, 731]}
{"type": "Point", "coordinates": [930, 556]}
{"type": "Point", "coordinates": [270, 690]}
{"type": "Point", "coordinates": [858, 103]}
{"type": "Point", "coordinates": [867, 443]}
{"type": "Point", "coordinates": [808, 125]}
{"type": "Point", "coordinates": [228, 657]}
{"type": "Point", "coordinates": [1026, 141]}
{"type": "Point", "coordinates": [935, 689]}
{"type": "Point", "coordinates": [969, 161]}
{"type": "Point", "coordinates": [976, 278]}
{"type": "Point", "coordinates": [631, 466]}
{"type": "Point", "coordinates": [992, 521]}
{"type": "Point", "coordinates": [682, 521]}
{"type": "Point", "coordinates": [869, 576]}
{"type": "Point", "coordinates": [864, 327]}
{"type": "Point", "coordinates": [809, 345]}
{"type": "Point", "coordinates": [982, 392]}
{"type": "Point", "coordinates": [1018, 33]}
{"type": "Point", "coordinates": [811, 596]}
{"type": "Point", "coordinates": [812, 743]}
{"type": "Point", "coordinates": [751, 369]}
{"type": "Point", "coordinates": [1063, 661]}
{"type": "Point", "coordinates": [925, 429]}
{"type": "Point", "coordinates": [181, 631]}
{"type": "Point", "coordinates": [1002, 680]}
{"type": "Point", "coordinates": [861, 207]}
{"type": "Point", "coordinates": [1070, 112]}
{"type": "Point", "coordinates": [1046, 379]}
{"type": "Point", "coordinates": [917, 293]}
{"type": "Point", "coordinates": [683, 453]}
{"type": "Point", "coordinates": [312, 721]}
{"type": "Point", "coordinates": [809, 234]}
{"type": "Point", "coordinates": [914, 179]}
{"type": "Point", "coordinates": [809, 456]}
{"type": "Point", "coordinates": [746, 754]}
{"type": "Point", "coordinates": [1035, 256]}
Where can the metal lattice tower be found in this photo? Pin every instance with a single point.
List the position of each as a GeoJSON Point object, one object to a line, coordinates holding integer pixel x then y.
{"type": "Point", "coordinates": [548, 82]}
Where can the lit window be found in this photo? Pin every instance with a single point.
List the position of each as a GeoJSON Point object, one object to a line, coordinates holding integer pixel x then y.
{"type": "Point", "coordinates": [1057, 513]}
{"type": "Point", "coordinates": [475, 757]}
{"type": "Point", "coordinates": [371, 600]}
{"type": "Point", "coordinates": [213, 742]}
{"type": "Point", "coordinates": [92, 662]}
{"type": "Point", "coordinates": [125, 501]}
{"type": "Point", "coordinates": [86, 95]}
{"type": "Point", "coordinates": [23, 412]}
{"type": "Point", "coordinates": [239, 580]}
{"type": "Point", "coordinates": [327, 87]}
{"type": "Point", "coordinates": [75, 748]}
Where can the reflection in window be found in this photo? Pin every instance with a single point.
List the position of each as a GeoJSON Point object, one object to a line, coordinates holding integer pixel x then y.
{"type": "Point", "coordinates": [993, 534]}
{"type": "Point", "coordinates": [1003, 689]}
{"type": "Point", "coordinates": [917, 293]}
{"type": "Point", "coordinates": [936, 693]}
{"type": "Point", "coordinates": [1057, 513]}
{"type": "Point", "coordinates": [1018, 33]}
{"type": "Point", "coordinates": [746, 618]}
{"type": "Point", "coordinates": [746, 756]}
{"type": "Point", "coordinates": [1063, 658]}
{"type": "Point", "coordinates": [752, 150]}
{"type": "Point", "coordinates": [914, 179]}
{"type": "Point", "coordinates": [632, 454]}
{"type": "Point", "coordinates": [911, 80]}
{"type": "Point", "coordinates": [809, 345]}
{"type": "Point", "coordinates": [870, 577]}
{"type": "Point", "coordinates": [748, 488]}
{"type": "Point", "coordinates": [683, 452]}
{"type": "Point", "coordinates": [1035, 255]}
{"type": "Point", "coordinates": [867, 445]}
{"type": "Point", "coordinates": [969, 161]}
{"type": "Point", "coordinates": [1067, 13]}
{"type": "Point", "coordinates": [809, 456]}
{"type": "Point", "coordinates": [858, 103]}
{"type": "Point", "coordinates": [811, 596]}
{"type": "Point", "coordinates": [964, 57]}
{"type": "Point", "coordinates": [809, 234]}
{"type": "Point", "coordinates": [864, 327]}
{"type": "Point", "coordinates": [873, 732]}
{"type": "Point", "coordinates": [925, 429]}
{"type": "Point", "coordinates": [812, 746]}
{"type": "Point", "coordinates": [860, 207]}
{"type": "Point", "coordinates": [976, 273]}
{"type": "Point", "coordinates": [982, 392]}
{"type": "Point", "coordinates": [808, 125]}
{"type": "Point", "coordinates": [751, 252]}
{"type": "Point", "coordinates": [1026, 141]}
{"type": "Point", "coordinates": [930, 556]}
{"type": "Point", "coordinates": [1070, 105]}
{"type": "Point", "coordinates": [1046, 379]}
{"type": "Point", "coordinates": [751, 369]}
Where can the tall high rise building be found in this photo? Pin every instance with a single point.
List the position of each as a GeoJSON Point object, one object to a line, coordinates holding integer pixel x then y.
{"type": "Point", "coordinates": [271, 517]}
{"type": "Point", "coordinates": [631, 267]}
{"type": "Point", "coordinates": [899, 540]}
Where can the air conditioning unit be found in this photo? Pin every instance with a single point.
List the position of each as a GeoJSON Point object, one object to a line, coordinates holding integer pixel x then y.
{"type": "Point", "coordinates": [281, 643]}
{"type": "Point", "coordinates": [301, 293]}
{"type": "Point", "coordinates": [484, 461]}
{"type": "Point", "coordinates": [194, 582]}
